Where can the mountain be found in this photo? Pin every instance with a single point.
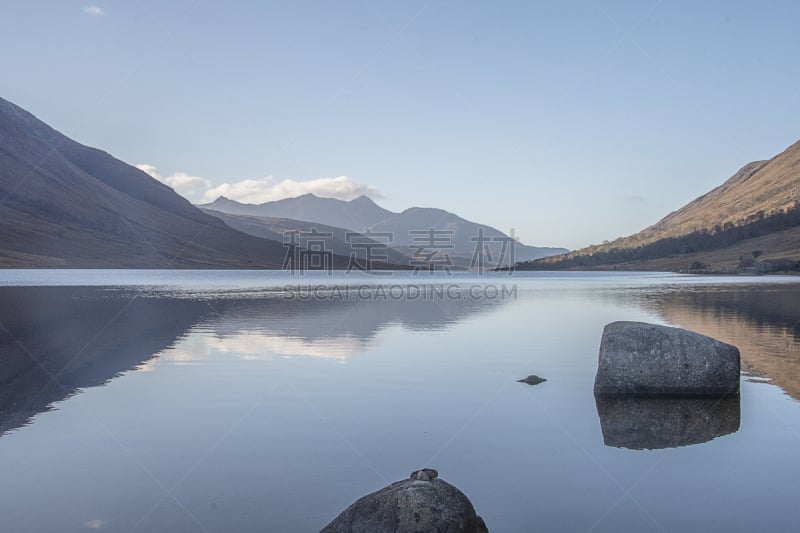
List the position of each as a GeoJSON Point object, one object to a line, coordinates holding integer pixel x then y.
{"type": "Point", "coordinates": [363, 214]}
{"type": "Point", "coordinates": [464, 235]}
{"type": "Point", "coordinates": [355, 215]}
{"type": "Point", "coordinates": [63, 204]}
{"type": "Point", "coordinates": [277, 229]}
{"type": "Point", "coordinates": [751, 221]}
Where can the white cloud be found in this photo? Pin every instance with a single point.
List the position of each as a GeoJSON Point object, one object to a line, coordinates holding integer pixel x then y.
{"type": "Point", "coordinates": [149, 169]}
{"type": "Point", "coordinates": [260, 190]}
{"type": "Point", "coordinates": [257, 191]}
{"type": "Point", "coordinates": [94, 11]}
{"type": "Point", "coordinates": [188, 186]}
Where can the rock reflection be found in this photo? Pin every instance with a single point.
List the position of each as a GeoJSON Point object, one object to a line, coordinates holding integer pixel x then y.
{"type": "Point", "coordinates": [656, 423]}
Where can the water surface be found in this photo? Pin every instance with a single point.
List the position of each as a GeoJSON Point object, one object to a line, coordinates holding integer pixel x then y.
{"type": "Point", "coordinates": [222, 401]}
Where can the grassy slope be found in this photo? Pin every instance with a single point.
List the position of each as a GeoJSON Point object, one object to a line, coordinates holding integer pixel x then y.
{"type": "Point", "coordinates": [780, 245]}
{"type": "Point", "coordinates": [761, 186]}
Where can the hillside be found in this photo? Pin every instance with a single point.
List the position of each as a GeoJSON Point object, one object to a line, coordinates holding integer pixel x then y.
{"type": "Point", "coordinates": [337, 242]}
{"type": "Point", "coordinates": [63, 204]}
{"type": "Point", "coordinates": [750, 221]}
{"type": "Point", "coordinates": [758, 188]}
{"type": "Point", "coordinates": [363, 214]}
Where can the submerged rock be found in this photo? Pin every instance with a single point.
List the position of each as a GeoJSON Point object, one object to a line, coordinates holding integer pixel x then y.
{"type": "Point", "coordinates": [422, 503]}
{"type": "Point", "coordinates": [647, 359]}
{"type": "Point", "coordinates": [532, 380]}
{"type": "Point", "coordinates": [654, 423]}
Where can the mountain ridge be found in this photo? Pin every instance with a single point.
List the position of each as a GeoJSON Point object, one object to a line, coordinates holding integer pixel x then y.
{"type": "Point", "coordinates": [355, 215]}
{"type": "Point", "coordinates": [760, 199]}
{"type": "Point", "coordinates": [369, 216]}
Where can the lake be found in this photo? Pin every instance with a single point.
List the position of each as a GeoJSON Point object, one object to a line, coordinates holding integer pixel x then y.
{"type": "Point", "coordinates": [260, 401]}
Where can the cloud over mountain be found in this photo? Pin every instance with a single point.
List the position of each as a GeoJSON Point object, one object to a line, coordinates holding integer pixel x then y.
{"type": "Point", "coordinates": [260, 190]}
{"type": "Point", "coordinates": [188, 186]}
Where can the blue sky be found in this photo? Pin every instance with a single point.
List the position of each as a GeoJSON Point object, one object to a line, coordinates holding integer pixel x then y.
{"type": "Point", "coordinates": [573, 122]}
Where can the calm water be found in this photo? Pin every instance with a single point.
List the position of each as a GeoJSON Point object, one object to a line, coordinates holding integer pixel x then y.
{"type": "Point", "coordinates": [226, 401]}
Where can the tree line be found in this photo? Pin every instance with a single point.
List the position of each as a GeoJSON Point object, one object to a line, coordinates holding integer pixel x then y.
{"type": "Point", "coordinates": [719, 236]}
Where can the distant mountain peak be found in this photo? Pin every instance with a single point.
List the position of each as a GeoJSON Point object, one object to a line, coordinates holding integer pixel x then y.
{"type": "Point", "coordinates": [363, 212]}
{"type": "Point", "coordinates": [224, 200]}
{"type": "Point", "coordinates": [429, 211]}
{"type": "Point", "coordinates": [363, 199]}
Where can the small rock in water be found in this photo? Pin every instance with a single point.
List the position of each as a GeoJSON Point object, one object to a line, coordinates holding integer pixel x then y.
{"type": "Point", "coordinates": [532, 380]}
{"type": "Point", "coordinates": [426, 474]}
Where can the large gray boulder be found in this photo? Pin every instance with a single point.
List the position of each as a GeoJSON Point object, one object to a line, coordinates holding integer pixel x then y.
{"type": "Point", "coordinates": [647, 359]}
{"type": "Point", "coordinates": [422, 503]}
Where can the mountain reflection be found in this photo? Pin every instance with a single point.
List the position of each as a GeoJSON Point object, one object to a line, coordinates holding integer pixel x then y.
{"type": "Point", "coordinates": [762, 321]}
{"type": "Point", "coordinates": [55, 341]}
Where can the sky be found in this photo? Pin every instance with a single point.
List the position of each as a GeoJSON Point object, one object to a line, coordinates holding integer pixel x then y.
{"type": "Point", "coordinates": [571, 122]}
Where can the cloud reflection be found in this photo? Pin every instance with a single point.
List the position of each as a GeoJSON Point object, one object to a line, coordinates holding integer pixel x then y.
{"type": "Point", "coordinates": [85, 337]}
